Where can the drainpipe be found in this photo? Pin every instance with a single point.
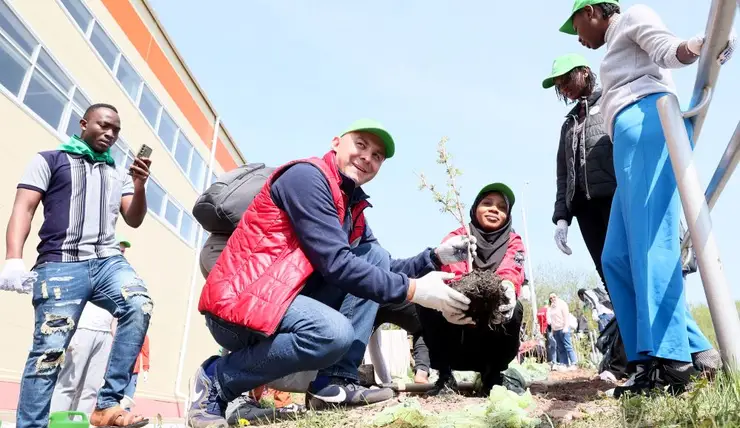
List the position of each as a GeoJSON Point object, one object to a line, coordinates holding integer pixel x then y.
{"type": "Point", "coordinates": [185, 397]}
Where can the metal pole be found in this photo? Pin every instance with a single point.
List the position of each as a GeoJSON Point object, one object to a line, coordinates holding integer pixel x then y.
{"type": "Point", "coordinates": [721, 305]}
{"type": "Point", "coordinates": [717, 32]}
{"type": "Point", "coordinates": [194, 274]}
{"type": "Point", "coordinates": [721, 176]}
{"type": "Point", "coordinates": [532, 293]}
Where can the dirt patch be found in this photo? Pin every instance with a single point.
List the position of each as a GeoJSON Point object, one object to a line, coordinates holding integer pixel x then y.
{"type": "Point", "coordinates": [486, 295]}
{"type": "Point", "coordinates": [567, 396]}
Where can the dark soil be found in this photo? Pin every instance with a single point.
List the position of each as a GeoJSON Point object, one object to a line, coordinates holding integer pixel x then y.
{"type": "Point", "coordinates": [486, 294]}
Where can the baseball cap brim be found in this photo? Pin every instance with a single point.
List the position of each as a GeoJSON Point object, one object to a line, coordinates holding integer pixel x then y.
{"type": "Point", "coordinates": [567, 28]}
{"type": "Point", "coordinates": [501, 188]}
{"type": "Point", "coordinates": [375, 128]}
{"type": "Point", "coordinates": [125, 243]}
{"type": "Point", "coordinates": [565, 64]}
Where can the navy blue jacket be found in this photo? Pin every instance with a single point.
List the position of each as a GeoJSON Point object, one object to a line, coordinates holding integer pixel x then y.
{"type": "Point", "coordinates": [303, 193]}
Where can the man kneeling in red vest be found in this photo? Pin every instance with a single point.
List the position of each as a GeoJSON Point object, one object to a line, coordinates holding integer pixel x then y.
{"type": "Point", "coordinates": [300, 280]}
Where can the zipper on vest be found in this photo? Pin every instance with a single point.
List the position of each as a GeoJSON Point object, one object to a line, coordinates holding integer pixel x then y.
{"type": "Point", "coordinates": [585, 165]}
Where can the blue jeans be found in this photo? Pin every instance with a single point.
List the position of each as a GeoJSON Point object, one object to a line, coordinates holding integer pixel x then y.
{"type": "Point", "coordinates": [130, 389]}
{"type": "Point", "coordinates": [552, 347]}
{"type": "Point", "coordinates": [604, 320]}
{"type": "Point", "coordinates": [324, 329]}
{"type": "Point", "coordinates": [566, 353]}
{"type": "Point", "coordinates": [59, 295]}
{"type": "Point", "coordinates": [641, 257]}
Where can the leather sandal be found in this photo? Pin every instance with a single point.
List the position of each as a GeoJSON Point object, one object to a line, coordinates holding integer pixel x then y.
{"type": "Point", "coordinates": [116, 417]}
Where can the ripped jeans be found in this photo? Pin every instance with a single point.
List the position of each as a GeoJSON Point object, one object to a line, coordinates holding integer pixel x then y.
{"type": "Point", "coordinates": [59, 295]}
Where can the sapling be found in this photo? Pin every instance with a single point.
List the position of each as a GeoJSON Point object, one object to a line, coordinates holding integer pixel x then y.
{"type": "Point", "coordinates": [484, 289]}
{"type": "Point", "coordinates": [450, 201]}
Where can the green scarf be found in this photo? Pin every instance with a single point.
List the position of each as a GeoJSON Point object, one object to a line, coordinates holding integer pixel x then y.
{"type": "Point", "coordinates": [79, 147]}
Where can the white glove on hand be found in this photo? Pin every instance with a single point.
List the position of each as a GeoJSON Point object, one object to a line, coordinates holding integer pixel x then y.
{"type": "Point", "coordinates": [456, 249]}
{"type": "Point", "coordinates": [432, 292]}
{"type": "Point", "coordinates": [695, 44]}
{"type": "Point", "coordinates": [458, 318]}
{"type": "Point", "coordinates": [561, 237]}
{"type": "Point", "coordinates": [595, 315]}
{"type": "Point", "coordinates": [507, 309]}
{"type": "Point", "coordinates": [15, 277]}
{"type": "Point", "coordinates": [145, 376]}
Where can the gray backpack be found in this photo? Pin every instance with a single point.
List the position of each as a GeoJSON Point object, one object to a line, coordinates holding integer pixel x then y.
{"type": "Point", "coordinates": [220, 208]}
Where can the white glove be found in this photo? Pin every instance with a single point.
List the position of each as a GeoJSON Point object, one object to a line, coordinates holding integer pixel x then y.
{"type": "Point", "coordinates": [432, 292]}
{"type": "Point", "coordinates": [456, 249]}
{"type": "Point", "coordinates": [145, 376]}
{"type": "Point", "coordinates": [458, 318]}
{"type": "Point", "coordinates": [561, 237]}
{"type": "Point", "coordinates": [507, 309]}
{"type": "Point", "coordinates": [15, 277]}
{"type": "Point", "coordinates": [595, 315]}
{"type": "Point", "coordinates": [695, 44]}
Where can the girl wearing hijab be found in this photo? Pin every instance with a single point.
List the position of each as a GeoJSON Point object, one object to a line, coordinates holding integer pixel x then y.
{"type": "Point", "coordinates": [641, 258]}
{"type": "Point", "coordinates": [454, 343]}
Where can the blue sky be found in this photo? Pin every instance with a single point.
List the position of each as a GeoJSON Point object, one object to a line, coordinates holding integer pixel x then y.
{"type": "Point", "coordinates": [287, 76]}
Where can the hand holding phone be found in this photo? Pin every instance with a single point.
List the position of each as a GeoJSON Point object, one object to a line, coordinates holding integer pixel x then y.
{"type": "Point", "coordinates": [139, 169]}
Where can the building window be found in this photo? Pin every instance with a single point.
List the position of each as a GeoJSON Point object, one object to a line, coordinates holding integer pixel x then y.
{"type": "Point", "coordinates": [128, 78]}
{"type": "Point", "coordinates": [79, 13]}
{"type": "Point", "coordinates": [15, 30]}
{"type": "Point", "coordinates": [13, 66]}
{"type": "Point", "coordinates": [155, 197]}
{"type": "Point", "coordinates": [172, 213]}
{"type": "Point", "coordinates": [167, 130]}
{"type": "Point", "coordinates": [197, 171]}
{"type": "Point", "coordinates": [104, 45]}
{"type": "Point", "coordinates": [119, 155]}
{"type": "Point", "coordinates": [187, 228]}
{"type": "Point", "coordinates": [182, 152]}
{"type": "Point", "coordinates": [149, 105]}
{"type": "Point", "coordinates": [45, 99]}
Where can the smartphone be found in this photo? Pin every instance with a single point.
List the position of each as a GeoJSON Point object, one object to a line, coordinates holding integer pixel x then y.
{"type": "Point", "coordinates": [144, 152]}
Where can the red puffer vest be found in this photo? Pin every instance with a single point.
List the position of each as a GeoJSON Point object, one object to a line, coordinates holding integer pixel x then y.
{"type": "Point", "coordinates": [262, 269]}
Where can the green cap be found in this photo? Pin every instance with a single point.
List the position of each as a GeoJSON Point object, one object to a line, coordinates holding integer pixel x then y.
{"type": "Point", "coordinates": [123, 241]}
{"type": "Point", "coordinates": [567, 28]}
{"type": "Point", "coordinates": [563, 65]}
{"type": "Point", "coordinates": [501, 188]}
{"type": "Point", "coordinates": [375, 128]}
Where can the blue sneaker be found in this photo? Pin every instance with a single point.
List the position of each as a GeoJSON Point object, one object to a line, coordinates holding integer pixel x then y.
{"type": "Point", "coordinates": [328, 392]}
{"type": "Point", "coordinates": [207, 410]}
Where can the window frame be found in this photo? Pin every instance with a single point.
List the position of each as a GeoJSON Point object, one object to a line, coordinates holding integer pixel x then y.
{"type": "Point", "coordinates": [87, 33]}
{"type": "Point", "coordinates": [71, 105]}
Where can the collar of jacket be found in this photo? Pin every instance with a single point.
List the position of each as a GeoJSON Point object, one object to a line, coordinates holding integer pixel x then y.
{"type": "Point", "coordinates": [348, 186]}
{"type": "Point", "coordinates": [591, 100]}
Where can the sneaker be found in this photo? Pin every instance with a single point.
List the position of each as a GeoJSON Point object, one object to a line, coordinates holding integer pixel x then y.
{"type": "Point", "coordinates": [327, 392]}
{"type": "Point", "coordinates": [246, 411]}
{"type": "Point", "coordinates": [707, 362]}
{"type": "Point", "coordinates": [639, 383]}
{"type": "Point", "coordinates": [207, 410]}
{"type": "Point", "coordinates": [674, 376]}
{"type": "Point", "coordinates": [445, 385]}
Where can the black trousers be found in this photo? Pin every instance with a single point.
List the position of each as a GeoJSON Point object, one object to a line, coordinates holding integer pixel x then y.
{"type": "Point", "coordinates": [405, 315]}
{"type": "Point", "coordinates": [468, 348]}
{"type": "Point", "coordinates": [593, 220]}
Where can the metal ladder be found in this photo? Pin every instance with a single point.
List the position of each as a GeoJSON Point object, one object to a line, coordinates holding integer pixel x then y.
{"type": "Point", "coordinates": [697, 203]}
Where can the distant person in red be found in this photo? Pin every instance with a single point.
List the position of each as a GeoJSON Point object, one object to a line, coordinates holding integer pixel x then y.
{"type": "Point", "coordinates": [142, 366]}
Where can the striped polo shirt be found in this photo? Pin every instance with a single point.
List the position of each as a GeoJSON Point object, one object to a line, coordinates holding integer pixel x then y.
{"type": "Point", "coordinates": [81, 202]}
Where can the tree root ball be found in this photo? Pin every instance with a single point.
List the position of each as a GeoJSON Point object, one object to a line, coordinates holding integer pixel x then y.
{"type": "Point", "coordinates": [486, 294]}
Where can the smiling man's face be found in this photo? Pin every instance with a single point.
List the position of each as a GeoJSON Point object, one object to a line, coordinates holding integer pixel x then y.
{"type": "Point", "coordinates": [359, 155]}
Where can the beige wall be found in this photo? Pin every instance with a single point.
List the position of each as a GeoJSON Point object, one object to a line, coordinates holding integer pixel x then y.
{"type": "Point", "coordinates": [158, 254]}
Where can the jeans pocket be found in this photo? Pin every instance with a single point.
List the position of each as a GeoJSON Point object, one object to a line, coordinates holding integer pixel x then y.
{"type": "Point", "coordinates": [225, 335]}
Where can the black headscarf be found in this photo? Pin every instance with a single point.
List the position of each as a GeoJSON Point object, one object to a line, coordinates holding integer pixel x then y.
{"type": "Point", "coordinates": [491, 245]}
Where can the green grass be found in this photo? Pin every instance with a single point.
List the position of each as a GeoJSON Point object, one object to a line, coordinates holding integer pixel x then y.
{"type": "Point", "coordinates": [708, 404]}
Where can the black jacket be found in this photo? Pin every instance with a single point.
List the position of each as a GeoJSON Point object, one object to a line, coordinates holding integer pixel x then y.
{"type": "Point", "coordinates": [598, 173]}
